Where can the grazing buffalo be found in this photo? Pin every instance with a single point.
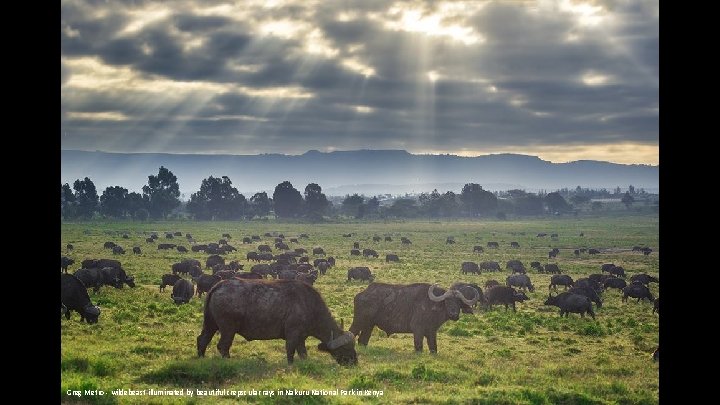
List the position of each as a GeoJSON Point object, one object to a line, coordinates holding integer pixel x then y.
{"type": "Point", "coordinates": [521, 281]}
{"type": "Point", "coordinates": [370, 252]}
{"type": "Point", "coordinates": [637, 290]}
{"type": "Point", "coordinates": [537, 266]}
{"type": "Point", "coordinates": [552, 268]}
{"type": "Point", "coordinates": [637, 248]}
{"type": "Point", "coordinates": [186, 267]}
{"type": "Point", "coordinates": [264, 248]}
{"type": "Point", "coordinates": [118, 250]}
{"type": "Point", "coordinates": [252, 256]}
{"type": "Point", "coordinates": [182, 292]}
{"type": "Point", "coordinates": [515, 245]}
{"type": "Point", "coordinates": [552, 254]}
{"type": "Point", "coordinates": [206, 281]}
{"type": "Point", "coordinates": [178, 234]}
{"type": "Point", "coordinates": [356, 245]}
{"type": "Point", "coordinates": [166, 246]}
{"type": "Point", "coordinates": [294, 240]}
{"type": "Point", "coordinates": [199, 248]}
{"type": "Point", "coordinates": [255, 237]}
{"type": "Point", "coordinates": [307, 278]}
{"type": "Point", "coordinates": [306, 259]}
{"type": "Point", "coordinates": [331, 261]}
{"type": "Point", "coordinates": [591, 294]}
{"type": "Point", "coordinates": [541, 235]}
{"type": "Point", "coordinates": [74, 296]}
{"type": "Point", "coordinates": [516, 266]}
{"type": "Point", "coordinates": [593, 251]}
{"type": "Point", "coordinates": [588, 283]}
{"type": "Point", "coordinates": [301, 251]}
{"type": "Point", "coordinates": [263, 270]}
{"type": "Point", "coordinates": [267, 235]}
{"type": "Point", "coordinates": [303, 235]}
{"type": "Point", "coordinates": [273, 309]}
{"type": "Point", "coordinates": [347, 235]}
{"type": "Point", "coordinates": [182, 249]}
{"type": "Point", "coordinates": [376, 239]}
{"type": "Point", "coordinates": [469, 267]}
{"type": "Point", "coordinates": [418, 308]}
{"type": "Point", "coordinates": [69, 247]}
{"type": "Point", "coordinates": [65, 262]}
{"type": "Point", "coordinates": [168, 235]}
{"type": "Point", "coordinates": [643, 278]}
{"type": "Point", "coordinates": [265, 256]}
{"type": "Point", "coordinates": [405, 241]}
{"type": "Point", "coordinates": [504, 295]}
{"type": "Point", "coordinates": [136, 250]}
{"type": "Point", "coordinates": [656, 306]}
{"type": "Point", "coordinates": [614, 282]}
{"type": "Point", "coordinates": [490, 266]}
{"type": "Point", "coordinates": [246, 240]}
{"type": "Point", "coordinates": [491, 283]}
{"type": "Point", "coordinates": [168, 279]}
{"type": "Point", "coordinates": [282, 246]}
{"type": "Point", "coordinates": [125, 236]}
{"type": "Point", "coordinates": [149, 240]}
{"type": "Point", "coordinates": [493, 245]}
{"type": "Point", "coordinates": [388, 239]}
{"type": "Point", "coordinates": [226, 274]}
{"type": "Point", "coordinates": [91, 278]}
{"type": "Point", "coordinates": [576, 252]}
{"type": "Point", "coordinates": [355, 252]}
{"type": "Point", "coordinates": [560, 279]}
{"type": "Point", "coordinates": [318, 251]}
{"type": "Point", "coordinates": [116, 277]}
{"type": "Point", "coordinates": [109, 245]}
{"type": "Point", "coordinates": [100, 263]}
{"type": "Point", "coordinates": [606, 267]}
{"type": "Point", "coordinates": [188, 237]}
{"type": "Point", "coordinates": [450, 240]}
{"type": "Point", "coordinates": [646, 251]}
{"type": "Point", "coordinates": [478, 248]}
{"type": "Point", "coordinates": [323, 267]}
{"type": "Point", "coordinates": [569, 302]}
{"type": "Point", "coordinates": [600, 278]}
{"type": "Point", "coordinates": [617, 271]}
{"type": "Point", "coordinates": [360, 273]}
{"type": "Point", "coordinates": [213, 260]}
{"type": "Point", "coordinates": [391, 258]}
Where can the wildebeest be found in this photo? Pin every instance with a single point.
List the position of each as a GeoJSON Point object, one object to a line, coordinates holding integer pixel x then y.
{"type": "Point", "coordinates": [264, 248]}
{"type": "Point", "coordinates": [388, 239]}
{"type": "Point", "coordinates": [656, 306]}
{"type": "Point", "coordinates": [491, 283]}
{"type": "Point", "coordinates": [182, 292]}
{"type": "Point", "coordinates": [391, 258]}
{"type": "Point", "coordinates": [504, 295]}
{"type": "Point", "coordinates": [74, 296]}
{"type": "Point", "coordinates": [478, 248]}
{"type": "Point", "coordinates": [182, 249]}
{"type": "Point", "coordinates": [213, 260]}
{"type": "Point", "coordinates": [118, 250]}
{"type": "Point", "coordinates": [521, 281]}
{"type": "Point", "coordinates": [418, 308]}
{"type": "Point", "coordinates": [168, 279]}
{"type": "Point", "coordinates": [537, 266]}
{"type": "Point", "coordinates": [552, 268]}
{"type": "Point", "coordinates": [560, 279]}
{"type": "Point", "coordinates": [355, 252]}
{"type": "Point", "coordinates": [469, 267]}
{"type": "Point", "coordinates": [593, 251]}
{"type": "Point", "coordinates": [136, 250]}
{"type": "Point", "coordinates": [65, 262]}
{"type": "Point", "coordinates": [637, 290]}
{"type": "Point", "coordinates": [205, 282]}
{"type": "Point", "coordinates": [643, 278]}
{"type": "Point", "coordinates": [369, 252]}
{"type": "Point", "coordinates": [109, 245]}
{"type": "Point", "coordinates": [166, 246]}
{"type": "Point", "coordinates": [515, 245]}
{"type": "Point", "coordinates": [360, 273]}
{"type": "Point", "coordinates": [318, 251]}
{"type": "Point", "coordinates": [490, 266]}
{"type": "Point", "coordinates": [273, 309]}
{"type": "Point", "coordinates": [588, 292]}
{"type": "Point", "coordinates": [569, 302]}
{"type": "Point", "coordinates": [614, 282]}
{"type": "Point", "coordinates": [356, 245]}
{"type": "Point", "coordinates": [516, 266]}
{"type": "Point", "coordinates": [493, 245]}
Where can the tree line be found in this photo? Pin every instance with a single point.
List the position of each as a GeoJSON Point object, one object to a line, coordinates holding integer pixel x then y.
{"type": "Point", "coordinates": [217, 199]}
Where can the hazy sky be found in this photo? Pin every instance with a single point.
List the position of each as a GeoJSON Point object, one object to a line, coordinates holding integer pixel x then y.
{"type": "Point", "coordinates": [564, 80]}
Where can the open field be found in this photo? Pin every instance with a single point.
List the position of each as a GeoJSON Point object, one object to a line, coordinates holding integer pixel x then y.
{"type": "Point", "coordinates": [143, 340]}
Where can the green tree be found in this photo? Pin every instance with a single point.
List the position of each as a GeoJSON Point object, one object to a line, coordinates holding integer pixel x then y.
{"type": "Point", "coordinates": [556, 202]}
{"type": "Point", "coordinates": [402, 208]}
{"type": "Point", "coordinates": [287, 200]}
{"type": "Point", "coordinates": [67, 202]}
{"type": "Point", "coordinates": [476, 200]}
{"type": "Point", "coordinates": [579, 199]}
{"type": "Point", "coordinates": [137, 203]}
{"type": "Point", "coordinates": [113, 202]}
{"type": "Point", "coordinates": [260, 204]}
{"type": "Point", "coordinates": [627, 199]}
{"type": "Point", "coordinates": [529, 204]}
{"type": "Point", "coordinates": [351, 205]}
{"type": "Point", "coordinates": [217, 199]}
{"type": "Point", "coordinates": [372, 206]}
{"type": "Point", "coordinates": [163, 192]}
{"type": "Point", "coordinates": [316, 203]}
{"type": "Point", "coordinates": [86, 197]}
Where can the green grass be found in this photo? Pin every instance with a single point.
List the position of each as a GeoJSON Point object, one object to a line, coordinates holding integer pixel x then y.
{"type": "Point", "coordinates": [532, 356]}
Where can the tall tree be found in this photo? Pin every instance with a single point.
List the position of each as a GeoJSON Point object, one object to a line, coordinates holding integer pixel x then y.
{"type": "Point", "coordinates": [315, 202]}
{"type": "Point", "coordinates": [67, 202]}
{"type": "Point", "coordinates": [113, 202]}
{"type": "Point", "coordinates": [372, 205]}
{"type": "Point", "coordinates": [287, 200]}
{"type": "Point", "coordinates": [556, 202]}
{"type": "Point", "coordinates": [476, 200]}
{"type": "Point", "coordinates": [260, 204]}
{"type": "Point", "coordinates": [217, 199]}
{"type": "Point", "coordinates": [137, 205]}
{"type": "Point", "coordinates": [86, 197]}
{"type": "Point", "coordinates": [163, 192]}
{"type": "Point", "coordinates": [627, 199]}
{"type": "Point", "coordinates": [529, 204]}
{"type": "Point", "coordinates": [352, 204]}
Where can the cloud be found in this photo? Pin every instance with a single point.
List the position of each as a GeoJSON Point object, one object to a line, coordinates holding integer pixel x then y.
{"type": "Point", "coordinates": [288, 76]}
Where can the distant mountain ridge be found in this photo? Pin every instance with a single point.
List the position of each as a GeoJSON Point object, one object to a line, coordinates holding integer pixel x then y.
{"type": "Point", "coordinates": [373, 171]}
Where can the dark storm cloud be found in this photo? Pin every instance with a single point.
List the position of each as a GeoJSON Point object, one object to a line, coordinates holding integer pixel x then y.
{"type": "Point", "coordinates": [192, 78]}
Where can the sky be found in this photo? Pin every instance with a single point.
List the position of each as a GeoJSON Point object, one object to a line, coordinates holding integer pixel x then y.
{"type": "Point", "coordinates": [563, 80]}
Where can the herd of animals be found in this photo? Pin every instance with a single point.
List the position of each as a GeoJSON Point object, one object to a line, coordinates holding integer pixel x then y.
{"type": "Point", "coordinates": [275, 299]}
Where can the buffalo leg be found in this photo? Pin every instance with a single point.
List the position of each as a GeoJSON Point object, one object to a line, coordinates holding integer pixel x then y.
{"type": "Point", "coordinates": [432, 342]}
{"type": "Point", "coordinates": [364, 336]}
{"type": "Point", "coordinates": [301, 349]}
{"type": "Point", "coordinates": [513, 305]}
{"type": "Point", "coordinates": [203, 340]}
{"type": "Point", "coordinates": [418, 341]}
{"type": "Point", "coordinates": [226, 339]}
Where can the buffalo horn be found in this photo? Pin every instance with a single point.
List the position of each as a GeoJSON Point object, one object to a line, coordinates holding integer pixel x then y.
{"type": "Point", "coordinates": [468, 302]}
{"type": "Point", "coordinates": [438, 298]}
{"type": "Point", "coordinates": [342, 340]}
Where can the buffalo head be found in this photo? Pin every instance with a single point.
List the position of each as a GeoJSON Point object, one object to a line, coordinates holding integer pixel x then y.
{"type": "Point", "coordinates": [342, 348]}
{"type": "Point", "coordinates": [454, 300]}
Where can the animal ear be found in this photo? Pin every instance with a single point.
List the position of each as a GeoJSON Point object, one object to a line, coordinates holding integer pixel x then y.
{"type": "Point", "coordinates": [323, 347]}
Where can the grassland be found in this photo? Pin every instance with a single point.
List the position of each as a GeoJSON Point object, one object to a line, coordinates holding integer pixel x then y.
{"type": "Point", "coordinates": [143, 340]}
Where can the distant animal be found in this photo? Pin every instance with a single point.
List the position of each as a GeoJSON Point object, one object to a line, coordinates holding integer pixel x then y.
{"type": "Point", "coordinates": [182, 292]}
{"type": "Point", "coordinates": [392, 258]}
{"type": "Point", "coordinates": [588, 283]}
{"type": "Point", "coordinates": [189, 266]}
{"type": "Point", "coordinates": [516, 266]}
{"type": "Point", "coordinates": [420, 309]}
{"type": "Point", "coordinates": [618, 271]}
{"type": "Point", "coordinates": [355, 252]}
{"type": "Point", "coordinates": [521, 281]}
{"type": "Point", "coordinates": [376, 239]}
{"type": "Point", "coordinates": [347, 235]}
{"type": "Point", "coordinates": [593, 251]}
{"type": "Point", "coordinates": [252, 256]}
{"type": "Point", "coordinates": [168, 236]}
{"type": "Point", "coordinates": [503, 295]}
{"type": "Point", "coordinates": [554, 235]}
{"type": "Point", "coordinates": [591, 294]}
{"type": "Point", "coordinates": [643, 278]}
{"type": "Point", "coordinates": [301, 251]}
{"type": "Point", "coordinates": [149, 240]}
{"type": "Point", "coordinates": [356, 245]}
{"type": "Point", "coordinates": [569, 302]}
{"type": "Point", "coordinates": [600, 278]}
{"type": "Point", "coordinates": [576, 252]}
{"type": "Point", "coordinates": [515, 245]}
{"type": "Point", "coordinates": [490, 266]}
{"type": "Point", "coordinates": [294, 240]}
{"type": "Point", "coordinates": [166, 246]}
{"type": "Point", "coordinates": [226, 235]}
{"type": "Point", "coordinates": [255, 237]}
{"type": "Point", "coordinates": [182, 249]}
{"type": "Point", "coordinates": [282, 246]}
{"type": "Point", "coordinates": [478, 249]}
{"type": "Point", "coordinates": [369, 252]}
{"type": "Point", "coordinates": [303, 235]}
{"type": "Point", "coordinates": [178, 234]}
{"type": "Point", "coordinates": [537, 266]}
{"type": "Point", "coordinates": [637, 290]}
{"type": "Point", "coordinates": [118, 250]}
{"type": "Point", "coordinates": [450, 240]}
{"type": "Point", "coordinates": [552, 254]}
{"type": "Point", "coordinates": [552, 268]}
{"type": "Point", "coordinates": [168, 279]}
{"type": "Point", "coordinates": [246, 240]}
{"type": "Point", "coordinates": [388, 239]}
{"type": "Point", "coordinates": [213, 260]}
{"type": "Point", "coordinates": [125, 236]}
{"type": "Point", "coordinates": [656, 306]}
{"type": "Point", "coordinates": [267, 234]}
{"type": "Point", "coordinates": [74, 296]}
{"type": "Point", "coordinates": [469, 267]}
{"type": "Point", "coordinates": [252, 309]}
{"type": "Point", "coordinates": [199, 248]}
{"type": "Point", "coordinates": [263, 270]}
{"type": "Point", "coordinates": [264, 248]}
{"type": "Point", "coordinates": [493, 245]}
{"type": "Point", "coordinates": [318, 251]}
{"type": "Point", "coordinates": [136, 250]}
{"type": "Point", "coordinates": [331, 261]}
{"type": "Point", "coordinates": [188, 237]}
{"type": "Point", "coordinates": [646, 251]}
{"type": "Point", "coordinates": [69, 247]}
{"type": "Point", "coordinates": [323, 267]}
{"type": "Point", "coordinates": [560, 279]}
{"type": "Point", "coordinates": [614, 282]}
{"type": "Point", "coordinates": [360, 273]}
{"type": "Point", "coordinates": [541, 235]}
{"type": "Point", "coordinates": [109, 245]}
{"type": "Point", "coordinates": [637, 248]}
{"type": "Point", "coordinates": [606, 267]}
{"type": "Point", "coordinates": [65, 262]}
